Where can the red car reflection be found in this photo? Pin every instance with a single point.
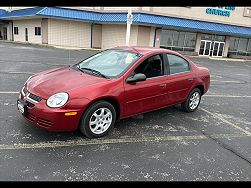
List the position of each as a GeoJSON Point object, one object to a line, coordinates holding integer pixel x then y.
{"type": "Point", "coordinates": [111, 85]}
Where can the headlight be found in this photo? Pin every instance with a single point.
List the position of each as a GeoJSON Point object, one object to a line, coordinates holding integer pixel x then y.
{"type": "Point", "coordinates": [57, 100]}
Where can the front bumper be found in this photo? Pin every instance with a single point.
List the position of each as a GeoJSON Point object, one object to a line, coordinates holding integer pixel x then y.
{"type": "Point", "coordinates": [52, 119]}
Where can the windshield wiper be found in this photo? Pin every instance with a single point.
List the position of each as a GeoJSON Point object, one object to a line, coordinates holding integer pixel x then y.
{"type": "Point", "coordinates": [93, 71]}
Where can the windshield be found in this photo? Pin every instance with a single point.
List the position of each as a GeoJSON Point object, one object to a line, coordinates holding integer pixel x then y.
{"type": "Point", "coordinates": [110, 63]}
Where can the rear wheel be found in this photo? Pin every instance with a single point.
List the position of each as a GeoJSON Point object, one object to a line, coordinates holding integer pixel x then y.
{"type": "Point", "coordinates": [192, 102]}
{"type": "Point", "coordinates": [98, 119]}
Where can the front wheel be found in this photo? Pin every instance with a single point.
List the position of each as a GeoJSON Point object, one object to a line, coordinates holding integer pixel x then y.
{"type": "Point", "coordinates": [98, 119]}
{"type": "Point", "coordinates": [192, 102]}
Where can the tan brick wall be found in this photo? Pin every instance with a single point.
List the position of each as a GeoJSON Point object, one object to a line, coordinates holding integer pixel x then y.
{"type": "Point", "coordinates": [44, 30]}
{"type": "Point", "coordinates": [30, 24]}
{"type": "Point", "coordinates": [152, 35]}
{"type": "Point", "coordinates": [69, 33]}
{"type": "Point", "coordinates": [199, 13]}
{"type": "Point", "coordinates": [96, 35]}
{"type": "Point", "coordinates": [115, 35]}
{"type": "Point", "coordinates": [143, 35]}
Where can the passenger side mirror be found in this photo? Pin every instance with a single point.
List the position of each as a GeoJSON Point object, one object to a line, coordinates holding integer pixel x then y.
{"type": "Point", "coordinates": [136, 78]}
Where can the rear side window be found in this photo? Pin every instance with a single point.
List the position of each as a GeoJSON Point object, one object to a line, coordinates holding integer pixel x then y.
{"type": "Point", "coordinates": [177, 64]}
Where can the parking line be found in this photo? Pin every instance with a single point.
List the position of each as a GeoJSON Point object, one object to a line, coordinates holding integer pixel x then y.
{"type": "Point", "coordinates": [228, 81]}
{"type": "Point", "coordinates": [17, 73]}
{"type": "Point", "coordinates": [227, 122]}
{"type": "Point", "coordinates": [9, 92]}
{"type": "Point", "coordinates": [81, 142]}
{"type": "Point", "coordinates": [230, 96]}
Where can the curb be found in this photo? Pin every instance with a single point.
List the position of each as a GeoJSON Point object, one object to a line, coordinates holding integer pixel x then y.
{"type": "Point", "coordinates": [222, 59]}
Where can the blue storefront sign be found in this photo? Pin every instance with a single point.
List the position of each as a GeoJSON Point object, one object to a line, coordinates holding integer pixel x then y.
{"type": "Point", "coordinates": [220, 11]}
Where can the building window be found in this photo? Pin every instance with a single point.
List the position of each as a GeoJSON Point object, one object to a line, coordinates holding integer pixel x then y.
{"type": "Point", "coordinates": [206, 37]}
{"type": "Point", "coordinates": [15, 30]}
{"type": "Point", "coordinates": [249, 48]}
{"type": "Point", "coordinates": [233, 44]}
{"type": "Point", "coordinates": [178, 40]}
{"type": "Point", "coordinates": [38, 31]}
{"type": "Point", "coordinates": [239, 46]}
{"type": "Point", "coordinates": [213, 37]}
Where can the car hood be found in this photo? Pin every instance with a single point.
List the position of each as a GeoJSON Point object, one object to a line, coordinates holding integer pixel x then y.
{"type": "Point", "coordinates": [64, 79]}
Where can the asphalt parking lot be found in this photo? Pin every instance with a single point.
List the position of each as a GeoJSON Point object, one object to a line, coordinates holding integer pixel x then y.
{"type": "Point", "coordinates": [211, 144]}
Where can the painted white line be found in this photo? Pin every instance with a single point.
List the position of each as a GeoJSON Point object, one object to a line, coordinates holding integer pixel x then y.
{"type": "Point", "coordinates": [230, 96]}
{"type": "Point", "coordinates": [227, 122]}
{"type": "Point", "coordinates": [17, 72]}
{"type": "Point", "coordinates": [227, 81]}
{"type": "Point", "coordinates": [9, 92]}
{"type": "Point", "coordinates": [225, 59]}
{"type": "Point", "coordinates": [82, 142]}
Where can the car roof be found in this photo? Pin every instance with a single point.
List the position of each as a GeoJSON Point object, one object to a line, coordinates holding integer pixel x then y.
{"type": "Point", "coordinates": [143, 50]}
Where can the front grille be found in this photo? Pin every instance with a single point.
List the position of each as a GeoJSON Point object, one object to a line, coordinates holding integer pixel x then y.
{"type": "Point", "coordinates": [29, 104]}
{"type": "Point", "coordinates": [35, 97]}
{"type": "Point", "coordinates": [44, 122]}
{"type": "Point", "coordinates": [30, 116]}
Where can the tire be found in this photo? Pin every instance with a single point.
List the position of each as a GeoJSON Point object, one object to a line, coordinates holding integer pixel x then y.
{"type": "Point", "coordinates": [195, 95]}
{"type": "Point", "coordinates": [93, 124]}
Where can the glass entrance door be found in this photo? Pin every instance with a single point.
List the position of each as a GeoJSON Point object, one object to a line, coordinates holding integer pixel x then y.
{"type": "Point", "coordinates": [210, 48]}
{"type": "Point", "coordinates": [205, 47]}
{"type": "Point", "coordinates": [218, 48]}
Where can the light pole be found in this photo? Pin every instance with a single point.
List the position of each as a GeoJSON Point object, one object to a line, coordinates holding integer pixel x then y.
{"type": "Point", "coordinates": [128, 25]}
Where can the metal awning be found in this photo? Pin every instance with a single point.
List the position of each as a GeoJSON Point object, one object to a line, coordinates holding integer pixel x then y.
{"type": "Point", "coordinates": [138, 18]}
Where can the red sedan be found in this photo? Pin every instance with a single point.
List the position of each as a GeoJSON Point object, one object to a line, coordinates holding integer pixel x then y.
{"type": "Point", "coordinates": [111, 85]}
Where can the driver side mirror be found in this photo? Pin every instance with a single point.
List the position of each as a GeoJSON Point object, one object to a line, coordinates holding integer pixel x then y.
{"type": "Point", "coordinates": [136, 78]}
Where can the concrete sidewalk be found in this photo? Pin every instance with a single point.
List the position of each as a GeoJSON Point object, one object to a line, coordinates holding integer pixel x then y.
{"type": "Point", "coordinates": [220, 58]}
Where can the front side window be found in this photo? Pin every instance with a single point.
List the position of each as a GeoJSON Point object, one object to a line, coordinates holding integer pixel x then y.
{"type": "Point", "coordinates": [110, 63]}
{"type": "Point", "coordinates": [38, 31]}
{"type": "Point", "coordinates": [151, 67]}
{"type": "Point", "coordinates": [177, 64]}
{"type": "Point", "coordinates": [15, 30]}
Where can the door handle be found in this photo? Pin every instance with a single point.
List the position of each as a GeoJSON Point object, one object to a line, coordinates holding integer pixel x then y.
{"type": "Point", "coordinates": [190, 79]}
{"type": "Point", "coordinates": [162, 85]}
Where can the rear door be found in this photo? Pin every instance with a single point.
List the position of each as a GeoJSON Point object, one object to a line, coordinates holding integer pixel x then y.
{"type": "Point", "coordinates": [180, 78]}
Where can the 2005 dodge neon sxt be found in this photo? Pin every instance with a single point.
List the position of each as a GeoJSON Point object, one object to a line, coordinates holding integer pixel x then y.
{"type": "Point", "coordinates": [111, 85]}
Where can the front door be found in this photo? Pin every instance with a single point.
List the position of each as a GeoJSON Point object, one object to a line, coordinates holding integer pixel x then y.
{"type": "Point", "coordinates": [218, 48]}
{"type": "Point", "coordinates": [4, 33]}
{"type": "Point", "coordinates": [205, 47]}
{"type": "Point", "coordinates": [149, 94]}
{"type": "Point", "coordinates": [26, 34]}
